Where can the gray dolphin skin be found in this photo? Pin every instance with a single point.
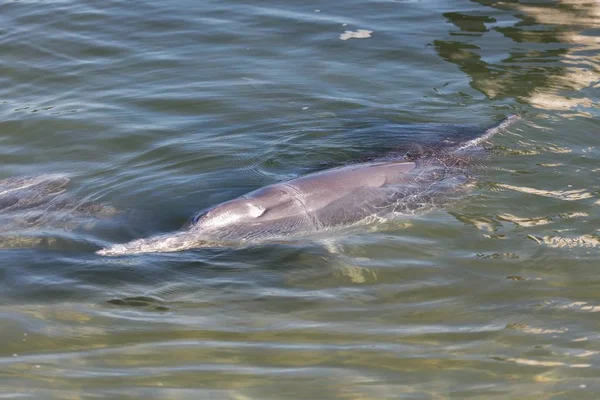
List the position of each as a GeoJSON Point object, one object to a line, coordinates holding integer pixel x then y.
{"type": "Point", "coordinates": [25, 192]}
{"type": "Point", "coordinates": [31, 202]}
{"type": "Point", "coordinates": [353, 195]}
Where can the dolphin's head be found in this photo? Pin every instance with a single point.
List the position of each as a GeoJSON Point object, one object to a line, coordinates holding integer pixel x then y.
{"type": "Point", "coordinates": [198, 233]}
{"type": "Point", "coordinates": [156, 244]}
{"type": "Point", "coordinates": [268, 203]}
{"type": "Point", "coordinates": [242, 210]}
{"type": "Point", "coordinates": [234, 220]}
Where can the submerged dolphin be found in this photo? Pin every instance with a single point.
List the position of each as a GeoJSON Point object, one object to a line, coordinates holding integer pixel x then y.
{"type": "Point", "coordinates": [26, 192]}
{"type": "Point", "coordinates": [38, 211]}
{"type": "Point", "coordinates": [323, 201]}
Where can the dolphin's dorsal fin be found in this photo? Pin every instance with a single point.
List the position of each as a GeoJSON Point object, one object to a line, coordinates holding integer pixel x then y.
{"type": "Point", "coordinates": [473, 143]}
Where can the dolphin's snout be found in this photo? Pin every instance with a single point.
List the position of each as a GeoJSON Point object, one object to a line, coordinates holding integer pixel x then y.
{"type": "Point", "coordinates": [156, 244]}
{"type": "Point", "coordinates": [116, 250]}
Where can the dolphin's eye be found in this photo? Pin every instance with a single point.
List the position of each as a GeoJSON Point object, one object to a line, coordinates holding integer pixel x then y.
{"type": "Point", "coordinates": [198, 217]}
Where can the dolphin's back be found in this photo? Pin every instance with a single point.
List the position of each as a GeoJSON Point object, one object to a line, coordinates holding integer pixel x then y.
{"type": "Point", "coordinates": [23, 192]}
{"type": "Point", "coordinates": [319, 190]}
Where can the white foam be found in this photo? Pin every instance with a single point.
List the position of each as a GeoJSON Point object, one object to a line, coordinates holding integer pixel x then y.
{"type": "Point", "coordinates": [358, 34]}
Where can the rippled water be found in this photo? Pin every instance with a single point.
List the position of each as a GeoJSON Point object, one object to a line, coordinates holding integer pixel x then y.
{"type": "Point", "coordinates": [156, 110]}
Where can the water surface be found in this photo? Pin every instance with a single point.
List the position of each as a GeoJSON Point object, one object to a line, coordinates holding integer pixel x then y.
{"type": "Point", "coordinates": [157, 110]}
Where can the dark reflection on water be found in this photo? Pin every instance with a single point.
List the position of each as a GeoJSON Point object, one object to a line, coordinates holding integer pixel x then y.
{"type": "Point", "coordinates": [156, 111]}
{"type": "Point", "coordinates": [560, 58]}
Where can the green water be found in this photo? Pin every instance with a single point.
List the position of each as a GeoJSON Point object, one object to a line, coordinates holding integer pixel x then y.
{"type": "Point", "coordinates": [157, 110]}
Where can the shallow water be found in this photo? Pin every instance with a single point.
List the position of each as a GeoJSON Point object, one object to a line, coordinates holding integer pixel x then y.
{"type": "Point", "coordinates": [157, 110]}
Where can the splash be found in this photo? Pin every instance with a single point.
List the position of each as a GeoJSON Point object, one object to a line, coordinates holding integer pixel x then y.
{"type": "Point", "coordinates": [359, 34]}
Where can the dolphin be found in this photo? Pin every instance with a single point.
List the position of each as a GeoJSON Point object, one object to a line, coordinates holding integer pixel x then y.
{"type": "Point", "coordinates": [26, 192]}
{"type": "Point", "coordinates": [330, 200]}
{"type": "Point", "coordinates": [38, 210]}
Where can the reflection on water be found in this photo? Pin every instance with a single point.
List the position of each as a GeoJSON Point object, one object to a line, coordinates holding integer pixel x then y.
{"type": "Point", "coordinates": [559, 62]}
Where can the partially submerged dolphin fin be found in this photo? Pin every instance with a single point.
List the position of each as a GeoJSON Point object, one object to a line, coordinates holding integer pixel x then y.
{"type": "Point", "coordinates": [478, 141]}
